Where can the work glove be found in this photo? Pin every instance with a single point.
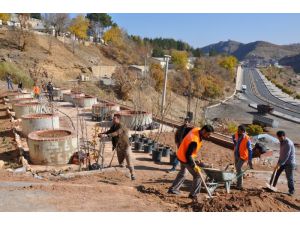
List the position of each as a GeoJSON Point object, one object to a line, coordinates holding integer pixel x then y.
{"type": "Point", "coordinates": [197, 169]}
{"type": "Point", "coordinates": [277, 166]}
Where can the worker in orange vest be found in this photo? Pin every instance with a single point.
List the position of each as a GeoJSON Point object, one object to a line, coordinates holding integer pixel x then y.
{"type": "Point", "coordinates": [186, 154]}
{"type": "Point", "coordinates": [36, 91]}
{"type": "Point", "coordinates": [242, 153]}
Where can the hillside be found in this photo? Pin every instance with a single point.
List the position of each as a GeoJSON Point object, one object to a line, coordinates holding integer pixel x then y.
{"type": "Point", "coordinates": [293, 61]}
{"type": "Point", "coordinates": [258, 48]}
{"type": "Point", "coordinates": [62, 64]}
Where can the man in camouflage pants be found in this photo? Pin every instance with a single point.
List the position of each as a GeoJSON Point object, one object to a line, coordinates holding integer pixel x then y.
{"type": "Point", "coordinates": [121, 144]}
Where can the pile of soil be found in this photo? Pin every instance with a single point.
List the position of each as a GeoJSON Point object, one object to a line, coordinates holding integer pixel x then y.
{"type": "Point", "coordinates": [250, 200]}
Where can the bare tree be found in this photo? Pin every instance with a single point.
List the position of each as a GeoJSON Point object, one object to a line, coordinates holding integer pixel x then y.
{"type": "Point", "coordinates": [22, 34]}
{"type": "Point", "coordinates": [58, 20]}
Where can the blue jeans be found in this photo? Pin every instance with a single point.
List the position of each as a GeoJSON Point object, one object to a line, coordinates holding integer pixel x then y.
{"type": "Point", "coordinates": [238, 166]}
{"type": "Point", "coordinates": [175, 163]}
{"type": "Point", "coordinates": [9, 85]}
{"type": "Point", "coordinates": [289, 172]}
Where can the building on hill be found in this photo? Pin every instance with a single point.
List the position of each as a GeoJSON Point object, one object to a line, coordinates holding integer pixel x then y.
{"type": "Point", "coordinates": [141, 70]}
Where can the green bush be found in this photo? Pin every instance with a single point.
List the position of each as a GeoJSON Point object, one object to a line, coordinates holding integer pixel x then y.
{"type": "Point", "coordinates": [232, 127]}
{"type": "Point", "coordinates": [16, 74]}
{"type": "Point", "coordinates": [297, 96]}
{"type": "Point", "coordinates": [288, 91]}
{"type": "Point", "coordinates": [254, 129]}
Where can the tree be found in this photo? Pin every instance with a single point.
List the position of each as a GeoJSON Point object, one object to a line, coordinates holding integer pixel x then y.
{"type": "Point", "coordinates": [125, 81]}
{"type": "Point", "coordinates": [4, 17]}
{"type": "Point", "coordinates": [48, 22]}
{"type": "Point", "coordinates": [79, 27]}
{"type": "Point", "coordinates": [23, 34]}
{"type": "Point", "coordinates": [58, 20]}
{"type": "Point", "coordinates": [229, 63]}
{"type": "Point", "coordinates": [114, 36]}
{"type": "Point", "coordinates": [103, 18]}
{"type": "Point", "coordinates": [212, 52]}
{"type": "Point", "coordinates": [179, 59]}
{"type": "Point", "coordinates": [36, 16]}
{"type": "Point", "coordinates": [212, 87]}
{"type": "Point", "coordinates": [158, 52]}
{"type": "Point", "coordinates": [157, 73]}
{"type": "Point", "coordinates": [197, 52]}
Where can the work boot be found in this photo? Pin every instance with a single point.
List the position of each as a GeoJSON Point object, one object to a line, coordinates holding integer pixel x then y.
{"type": "Point", "coordinates": [291, 193]}
{"type": "Point", "coordinates": [133, 177]}
{"type": "Point", "coordinates": [173, 169]}
{"type": "Point", "coordinates": [193, 197]}
{"type": "Point", "coordinates": [240, 188]}
{"type": "Point", "coordinates": [174, 192]}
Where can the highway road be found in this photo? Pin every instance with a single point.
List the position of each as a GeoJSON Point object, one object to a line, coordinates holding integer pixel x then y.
{"type": "Point", "coordinates": [258, 93]}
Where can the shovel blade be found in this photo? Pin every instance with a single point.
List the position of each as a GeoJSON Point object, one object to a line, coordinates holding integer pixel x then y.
{"type": "Point", "coordinates": [270, 187]}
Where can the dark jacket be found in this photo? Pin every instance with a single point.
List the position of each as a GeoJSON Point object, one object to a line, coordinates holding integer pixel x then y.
{"type": "Point", "coordinates": [180, 133]}
{"type": "Point", "coordinates": [119, 134]}
{"type": "Point", "coordinates": [49, 88]}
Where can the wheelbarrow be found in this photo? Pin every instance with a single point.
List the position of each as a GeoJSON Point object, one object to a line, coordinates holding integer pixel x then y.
{"type": "Point", "coordinates": [216, 177]}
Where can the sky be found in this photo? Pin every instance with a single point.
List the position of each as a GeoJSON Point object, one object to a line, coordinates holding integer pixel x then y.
{"type": "Point", "coordinates": [200, 30]}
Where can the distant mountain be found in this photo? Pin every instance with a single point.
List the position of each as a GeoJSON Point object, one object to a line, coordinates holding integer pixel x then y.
{"type": "Point", "coordinates": [228, 47]}
{"type": "Point", "coordinates": [258, 48]}
{"type": "Point", "coordinates": [293, 61]}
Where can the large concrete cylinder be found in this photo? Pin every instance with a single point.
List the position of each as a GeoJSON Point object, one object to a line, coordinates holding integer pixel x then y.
{"type": "Point", "coordinates": [51, 147]}
{"type": "Point", "coordinates": [103, 109]}
{"type": "Point", "coordinates": [85, 101]}
{"type": "Point", "coordinates": [42, 121]}
{"type": "Point", "coordinates": [69, 97]}
{"type": "Point", "coordinates": [58, 92]}
{"type": "Point", "coordinates": [22, 109]}
{"type": "Point", "coordinates": [17, 95]}
{"type": "Point", "coordinates": [22, 100]}
{"type": "Point", "coordinates": [133, 119]}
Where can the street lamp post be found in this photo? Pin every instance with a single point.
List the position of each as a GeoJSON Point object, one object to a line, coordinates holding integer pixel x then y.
{"type": "Point", "coordinates": [166, 58]}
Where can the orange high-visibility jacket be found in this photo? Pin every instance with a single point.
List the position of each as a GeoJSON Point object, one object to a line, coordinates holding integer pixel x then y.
{"type": "Point", "coordinates": [192, 136]}
{"type": "Point", "coordinates": [36, 90]}
{"type": "Point", "coordinates": [244, 155]}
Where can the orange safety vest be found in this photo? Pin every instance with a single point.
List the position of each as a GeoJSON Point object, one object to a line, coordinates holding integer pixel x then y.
{"type": "Point", "coordinates": [244, 155]}
{"type": "Point", "coordinates": [192, 136]}
{"type": "Point", "coordinates": [36, 90]}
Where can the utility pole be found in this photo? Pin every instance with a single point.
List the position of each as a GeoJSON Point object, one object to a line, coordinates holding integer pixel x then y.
{"type": "Point", "coordinates": [166, 58]}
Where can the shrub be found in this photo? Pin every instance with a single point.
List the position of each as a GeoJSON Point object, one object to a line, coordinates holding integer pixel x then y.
{"type": "Point", "coordinates": [157, 73]}
{"type": "Point", "coordinates": [288, 91]}
{"type": "Point", "coordinates": [232, 127]}
{"type": "Point", "coordinates": [297, 96]}
{"type": "Point", "coordinates": [254, 129]}
{"type": "Point", "coordinates": [16, 74]}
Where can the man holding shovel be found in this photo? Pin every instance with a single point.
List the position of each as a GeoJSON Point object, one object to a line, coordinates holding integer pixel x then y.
{"type": "Point", "coordinates": [121, 144]}
{"type": "Point", "coordinates": [186, 154]}
{"type": "Point", "coordinates": [286, 162]}
{"type": "Point", "coordinates": [242, 153]}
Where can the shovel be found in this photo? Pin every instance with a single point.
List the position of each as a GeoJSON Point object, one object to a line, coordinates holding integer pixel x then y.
{"type": "Point", "coordinates": [270, 185]}
{"type": "Point", "coordinates": [205, 186]}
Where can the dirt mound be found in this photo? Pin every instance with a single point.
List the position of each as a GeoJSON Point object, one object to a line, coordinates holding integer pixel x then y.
{"type": "Point", "coordinates": [251, 200]}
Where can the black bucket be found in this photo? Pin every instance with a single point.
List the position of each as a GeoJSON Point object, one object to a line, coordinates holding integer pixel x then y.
{"type": "Point", "coordinates": [166, 151]}
{"type": "Point", "coordinates": [147, 148]}
{"type": "Point", "coordinates": [138, 146]}
{"type": "Point", "coordinates": [156, 155]}
{"type": "Point", "coordinates": [135, 137]}
{"type": "Point", "coordinates": [173, 157]}
{"type": "Point", "coordinates": [155, 145]}
{"type": "Point", "coordinates": [146, 140]}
